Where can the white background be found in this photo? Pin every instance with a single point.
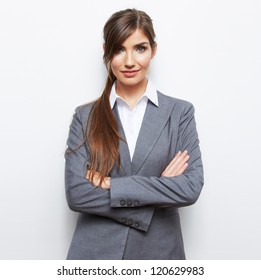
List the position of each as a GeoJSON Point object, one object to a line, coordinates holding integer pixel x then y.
{"type": "Point", "coordinates": [51, 62]}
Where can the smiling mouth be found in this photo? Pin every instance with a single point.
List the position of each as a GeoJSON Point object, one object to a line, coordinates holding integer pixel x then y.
{"type": "Point", "coordinates": [130, 71]}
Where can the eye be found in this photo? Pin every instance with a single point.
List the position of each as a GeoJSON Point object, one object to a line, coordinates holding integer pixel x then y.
{"type": "Point", "coordinates": [141, 49]}
{"type": "Point", "coordinates": [119, 50]}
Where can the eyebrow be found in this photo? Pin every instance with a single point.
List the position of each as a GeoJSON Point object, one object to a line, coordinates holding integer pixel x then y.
{"type": "Point", "coordinates": [142, 43]}
{"type": "Point", "coordinates": [139, 44]}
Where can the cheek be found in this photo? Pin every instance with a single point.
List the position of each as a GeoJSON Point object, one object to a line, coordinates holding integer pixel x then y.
{"type": "Point", "coordinates": [115, 63]}
{"type": "Point", "coordinates": [144, 61]}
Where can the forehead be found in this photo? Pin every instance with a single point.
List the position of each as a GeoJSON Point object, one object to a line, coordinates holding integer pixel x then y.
{"type": "Point", "coordinates": [135, 38]}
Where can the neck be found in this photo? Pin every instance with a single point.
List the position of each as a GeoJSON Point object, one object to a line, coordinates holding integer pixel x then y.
{"type": "Point", "coordinates": [131, 94]}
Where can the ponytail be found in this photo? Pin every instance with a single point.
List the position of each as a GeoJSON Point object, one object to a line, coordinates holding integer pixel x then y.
{"type": "Point", "coordinates": [102, 136]}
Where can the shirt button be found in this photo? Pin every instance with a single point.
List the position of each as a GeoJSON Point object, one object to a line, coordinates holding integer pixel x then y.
{"type": "Point", "coordinates": [122, 202]}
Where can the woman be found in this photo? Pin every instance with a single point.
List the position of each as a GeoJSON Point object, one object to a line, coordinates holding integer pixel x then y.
{"type": "Point", "coordinates": [133, 155]}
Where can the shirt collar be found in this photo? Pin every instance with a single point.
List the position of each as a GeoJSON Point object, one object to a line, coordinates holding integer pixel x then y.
{"type": "Point", "coordinates": [150, 93]}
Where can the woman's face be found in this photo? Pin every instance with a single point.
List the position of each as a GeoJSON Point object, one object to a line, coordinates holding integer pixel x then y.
{"type": "Point", "coordinates": [131, 62]}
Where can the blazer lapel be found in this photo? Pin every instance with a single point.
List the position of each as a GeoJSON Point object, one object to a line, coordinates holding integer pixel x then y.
{"type": "Point", "coordinates": [153, 123]}
{"type": "Point", "coordinates": [125, 167]}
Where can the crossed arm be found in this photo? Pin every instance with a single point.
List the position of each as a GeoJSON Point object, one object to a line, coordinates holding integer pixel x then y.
{"type": "Point", "coordinates": [175, 168]}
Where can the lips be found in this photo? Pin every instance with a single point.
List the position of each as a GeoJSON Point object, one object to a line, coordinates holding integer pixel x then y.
{"type": "Point", "coordinates": [130, 73]}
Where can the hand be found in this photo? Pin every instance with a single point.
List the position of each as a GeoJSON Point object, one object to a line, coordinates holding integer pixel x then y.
{"type": "Point", "coordinates": [97, 178]}
{"type": "Point", "coordinates": [177, 165]}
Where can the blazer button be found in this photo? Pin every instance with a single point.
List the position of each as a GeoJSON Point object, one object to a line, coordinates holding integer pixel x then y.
{"type": "Point", "coordinates": [129, 203]}
{"type": "Point", "coordinates": [122, 202]}
{"type": "Point", "coordinates": [136, 224]}
{"type": "Point", "coordinates": [124, 220]}
{"type": "Point", "coordinates": [136, 203]}
{"type": "Point", "coordinates": [130, 222]}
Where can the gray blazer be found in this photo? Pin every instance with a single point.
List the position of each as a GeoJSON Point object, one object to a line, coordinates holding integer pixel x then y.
{"type": "Point", "coordinates": [138, 218]}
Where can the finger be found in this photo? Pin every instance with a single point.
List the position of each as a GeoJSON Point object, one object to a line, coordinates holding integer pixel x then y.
{"type": "Point", "coordinates": [180, 157]}
{"type": "Point", "coordinates": [178, 154]}
{"type": "Point", "coordinates": [95, 179]}
{"type": "Point", "coordinates": [182, 162]}
{"type": "Point", "coordinates": [106, 183]}
{"type": "Point", "coordinates": [177, 167]}
{"type": "Point", "coordinates": [176, 171]}
{"type": "Point", "coordinates": [182, 169]}
{"type": "Point", "coordinates": [178, 160]}
{"type": "Point", "coordinates": [173, 160]}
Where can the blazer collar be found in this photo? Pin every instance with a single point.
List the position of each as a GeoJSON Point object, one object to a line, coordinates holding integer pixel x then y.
{"type": "Point", "coordinates": [153, 123]}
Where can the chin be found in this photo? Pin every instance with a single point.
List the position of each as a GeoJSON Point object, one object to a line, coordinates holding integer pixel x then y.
{"type": "Point", "coordinates": [132, 81]}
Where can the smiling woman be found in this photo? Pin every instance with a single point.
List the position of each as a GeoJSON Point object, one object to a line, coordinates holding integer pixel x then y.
{"type": "Point", "coordinates": [133, 155]}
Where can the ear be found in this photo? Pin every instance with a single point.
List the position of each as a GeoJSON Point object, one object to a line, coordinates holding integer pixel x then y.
{"type": "Point", "coordinates": [154, 50]}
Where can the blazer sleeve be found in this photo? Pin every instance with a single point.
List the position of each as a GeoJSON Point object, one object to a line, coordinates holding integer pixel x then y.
{"type": "Point", "coordinates": [81, 194]}
{"type": "Point", "coordinates": [162, 191]}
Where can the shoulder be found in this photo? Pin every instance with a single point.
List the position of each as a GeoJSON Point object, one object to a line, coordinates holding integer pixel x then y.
{"type": "Point", "coordinates": [83, 111]}
{"type": "Point", "coordinates": [176, 103]}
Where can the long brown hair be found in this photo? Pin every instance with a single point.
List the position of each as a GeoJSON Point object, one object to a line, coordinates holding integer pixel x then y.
{"type": "Point", "coordinates": [102, 136]}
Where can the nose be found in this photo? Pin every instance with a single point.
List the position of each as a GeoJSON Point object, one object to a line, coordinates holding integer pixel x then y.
{"type": "Point", "coordinates": [129, 60]}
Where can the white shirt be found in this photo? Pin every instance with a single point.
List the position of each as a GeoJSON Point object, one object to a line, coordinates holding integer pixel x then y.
{"type": "Point", "coordinates": [131, 119]}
